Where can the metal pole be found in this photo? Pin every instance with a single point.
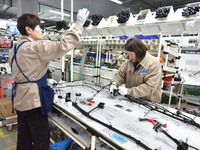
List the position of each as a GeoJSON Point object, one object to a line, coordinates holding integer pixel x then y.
{"type": "Point", "coordinates": [62, 6]}
{"type": "Point", "coordinates": [93, 141]}
{"type": "Point", "coordinates": [160, 44]}
{"type": "Point", "coordinates": [63, 57]}
{"type": "Point", "coordinates": [171, 90]}
{"type": "Point", "coordinates": [180, 96]}
{"type": "Point", "coordinates": [99, 63]}
{"type": "Point", "coordinates": [97, 54]}
{"type": "Point", "coordinates": [72, 51]}
{"type": "Point", "coordinates": [178, 63]}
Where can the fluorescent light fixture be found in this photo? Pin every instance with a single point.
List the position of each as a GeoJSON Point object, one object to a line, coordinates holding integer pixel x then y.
{"type": "Point", "coordinates": [117, 1]}
{"type": "Point", "coordinates": [56, 12]}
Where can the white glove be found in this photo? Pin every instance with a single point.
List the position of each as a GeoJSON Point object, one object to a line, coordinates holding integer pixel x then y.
{"type": "Point", "coordinates": [52, 81]}
{"type": "Point", "coordinates": [123, 91]}
{"type": "Point", "coordinates": [82, 16]}
{"type": "Point", "coordinates": [113, 87]}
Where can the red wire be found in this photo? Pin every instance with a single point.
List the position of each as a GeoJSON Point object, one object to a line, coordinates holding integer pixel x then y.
{"type": "Point", "coordinates": [152, 121]}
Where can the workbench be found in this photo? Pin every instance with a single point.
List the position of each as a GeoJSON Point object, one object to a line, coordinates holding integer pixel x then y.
{"type": "Point", "coordinates": [119, 113]}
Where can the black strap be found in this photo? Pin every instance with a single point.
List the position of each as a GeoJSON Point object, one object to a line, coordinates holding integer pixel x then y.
{"type": "Point", "coordinates": [15, 58]}
{"type": "Point", "coordinates": [15, 52]}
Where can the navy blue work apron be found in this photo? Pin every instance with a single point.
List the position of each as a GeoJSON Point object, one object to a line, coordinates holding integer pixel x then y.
{"type": "Point", "coordinates": [45, 91]}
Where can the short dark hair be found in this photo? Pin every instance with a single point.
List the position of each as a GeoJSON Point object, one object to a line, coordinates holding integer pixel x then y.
{"type": "Point", "coordinates": [137, 46]}
{"type": "Point", "coordinates": [29, 20]}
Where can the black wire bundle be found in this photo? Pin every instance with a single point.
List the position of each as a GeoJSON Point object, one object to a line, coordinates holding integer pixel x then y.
{"type": "Point", "coordinates": [161, 109]}
{"type": "Point", "coordinates": [162, 12]}
{"type": "Point", "coordinates": [152, 107]}
{"type": "Point", "coordinates": [96, 18]}
{"type": "Point", "coordinates": [87, 23]}
{"type": "Point", "coordinates": [62, 25]}
{"type": "Point", "coordinates": [190, 10]}
{"type": "Point", "coordinates": [123, 15]}
{"type": "Point", "coordinates": [111, 127]}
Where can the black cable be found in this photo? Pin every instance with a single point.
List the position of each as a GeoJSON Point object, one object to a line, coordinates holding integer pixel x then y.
{"type": "Point", "coordinates": [89, 128]}
{"type": "Point", "coordinates": [152, 106]}
{"type": "Point", "coordinates": [110, 127]}
{"type": "Point", "coordinates": [155, 107]}
{"type": "Point", "coordinates": [180, 144]}
{"type": "Point", "coordinates": [101, 89]}
{"type": "Point", "coordinates": [77, 85]}
{"type": "Point", "coordinates": [98, 91]}
{"type": "Point", "coordinates": [100, 105]}
{"type": "Point", "coordinates": [158, 127]}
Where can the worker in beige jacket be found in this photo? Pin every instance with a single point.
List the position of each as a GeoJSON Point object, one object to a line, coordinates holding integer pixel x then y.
{"type": "Point", "coordinates": [29, 61]}
{"type": "Point", "coordinates": [141, 74]}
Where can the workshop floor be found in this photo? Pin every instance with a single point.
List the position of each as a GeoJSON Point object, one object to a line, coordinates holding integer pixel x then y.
{"type": "Point", "coordinates": [8, 139]}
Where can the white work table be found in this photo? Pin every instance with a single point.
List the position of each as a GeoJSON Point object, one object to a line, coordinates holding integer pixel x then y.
{"type": "Point", "coordinates": [122, 115]}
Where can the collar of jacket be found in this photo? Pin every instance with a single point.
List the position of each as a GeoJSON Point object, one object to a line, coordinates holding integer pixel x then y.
{"type": "Point", "coordinates": [26, 37]}
{"type": "Point", "coordinates": [131, 68]}
{"type": "Point", "coordinates": [144, 62]}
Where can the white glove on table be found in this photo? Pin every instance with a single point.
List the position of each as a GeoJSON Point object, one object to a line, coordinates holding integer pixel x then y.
{"type": "Point", "coordinates": [123, 91]}
{"type": "Point", "coordinates": [82, 16]}
{"type": "Point", "coordinates": [51, 81]}
{"type": "Point", "coordinates": [113, 87]}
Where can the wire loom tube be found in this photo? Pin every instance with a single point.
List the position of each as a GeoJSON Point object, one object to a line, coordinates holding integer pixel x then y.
{"type": "Point", "coordinates": [110, 127]}
{"type": "Point", "coordinates": [145, 103]}
{"type": "Point", "coordinates": [124, 134]}
{"type": "Point", "coordinates": [153, 106]}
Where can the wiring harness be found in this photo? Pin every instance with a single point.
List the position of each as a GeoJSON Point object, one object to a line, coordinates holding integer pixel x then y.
{"type": "Point", "coordinates": [162, 12]}
{"type": "Point", "coordinates": [96, 18]}
{"type": "Point", "coordinates": [123, 15]}
{"type": "Point", "coordinates": [189, 10]}
{"type": "Point", "coordinates": [161, 109]}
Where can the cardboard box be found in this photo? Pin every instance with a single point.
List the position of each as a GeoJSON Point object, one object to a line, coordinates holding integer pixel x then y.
{"type": "Point", "coordinates": [9, 121]}
{"type": "Point", "coordinates": [6, 107]}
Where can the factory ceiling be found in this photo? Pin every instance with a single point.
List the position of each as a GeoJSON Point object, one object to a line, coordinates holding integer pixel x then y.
{"type": "Point", "coordinates": [8, 8]}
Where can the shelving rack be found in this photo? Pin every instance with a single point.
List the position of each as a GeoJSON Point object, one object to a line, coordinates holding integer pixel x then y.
{"type": "Point", "coordinates": [173, 24]}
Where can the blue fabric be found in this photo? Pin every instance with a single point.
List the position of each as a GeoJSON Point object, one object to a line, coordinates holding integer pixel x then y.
{"type": "Point", "coordinates": [46, 95]}
{"type": "Point", "coordinates": [62, 145]}
{"type": "Point", "coordinates": [46, 92]}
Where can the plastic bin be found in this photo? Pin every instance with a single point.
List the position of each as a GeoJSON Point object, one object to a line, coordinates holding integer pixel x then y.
{"type": "Point", "coordinates": [192, 91]}
{"type": "Point", "coordinates": [62, 145]}
{"type": "Point", "coordinates": [165, 99]}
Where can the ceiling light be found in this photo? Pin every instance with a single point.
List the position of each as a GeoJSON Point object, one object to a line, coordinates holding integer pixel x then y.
{"type": "Point", "coordinates": [56, 12]}
{"type": "Point", "coordinates": [42, 21]}
{"type": "Point", "coordinates": [117, 1]}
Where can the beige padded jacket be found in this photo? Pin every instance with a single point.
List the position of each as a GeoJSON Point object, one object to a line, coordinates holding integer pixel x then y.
{"type": "Point", "coordinates": [33, 58]}
{"type": "Point", "coordinates": [143, 83]}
